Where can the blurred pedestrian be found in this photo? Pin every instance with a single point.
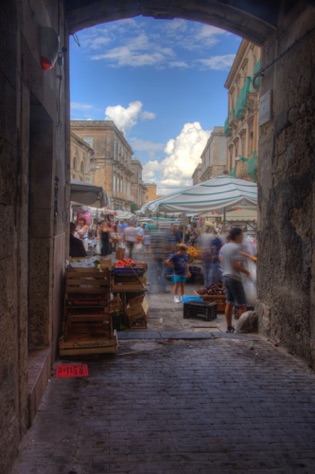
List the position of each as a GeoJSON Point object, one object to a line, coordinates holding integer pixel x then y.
{"type": "Point", "coordinates": [83, 232]}
{"type": "Point", "coordinates": [233, 268]}
{"type": "Point", "coordinates": [179, 262]}
{"type": "Point", "coordinates": [130, 237]}
{"type": "Point", "coordinates": [105, 237]}
{"type": "Point", "coordinates": [76, 247]}
{"type": "Point", "coordinates": [160, 250]}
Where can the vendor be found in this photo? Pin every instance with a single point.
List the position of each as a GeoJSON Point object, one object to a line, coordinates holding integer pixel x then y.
{"type": "Point", "coordinates": [76, 247]}
{"type": "Point", "coordinates": [83, 230]}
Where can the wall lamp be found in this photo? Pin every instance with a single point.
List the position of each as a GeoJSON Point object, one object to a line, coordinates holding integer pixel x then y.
{"type": "Point", "coordinates": [49, 47]}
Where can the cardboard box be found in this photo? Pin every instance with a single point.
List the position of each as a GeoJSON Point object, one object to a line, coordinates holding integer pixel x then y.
{"type": "Point", "coordinates": [106, 263]}
{"type": "Point", "coordinates": [137, 309]}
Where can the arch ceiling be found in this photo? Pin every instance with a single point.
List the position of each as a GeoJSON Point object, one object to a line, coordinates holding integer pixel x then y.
{"type": "Point", "coordinates": [252, 19]}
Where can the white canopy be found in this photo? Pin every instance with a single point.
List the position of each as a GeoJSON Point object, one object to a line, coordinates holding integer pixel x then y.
{"type": "Point", "coordinates": [88, 194]}
{"type": "Point", "coordinates": [221, 193]}
{"type": "Point", "coordinates": [121, 215]}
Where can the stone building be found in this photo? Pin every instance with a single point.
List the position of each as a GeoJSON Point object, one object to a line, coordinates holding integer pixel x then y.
{"type": "Point", "coordinates": [138, 188]}
{"type": "Point", "coordinates": [35, 178]}
{"type": "Point", "coordinates": [241, 125]}
{"type": "Point", "coordinates": [213, 157]}
{"type": "Point", "coordinates": [80, 159]}
{"type": "Point", "coordinates": [112, 159]}
{"type": "Point", "coordinates": [151, 193]}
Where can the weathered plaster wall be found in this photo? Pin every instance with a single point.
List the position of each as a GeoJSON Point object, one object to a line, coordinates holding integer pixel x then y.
{"type": "Point", "coordinates": [32, 238]}
{"type": "Point", "coordinates": [286, 182]}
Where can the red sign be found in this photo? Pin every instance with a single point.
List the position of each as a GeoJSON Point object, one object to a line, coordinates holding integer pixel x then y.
{"type": "Point", "coordinates": [71, 370]}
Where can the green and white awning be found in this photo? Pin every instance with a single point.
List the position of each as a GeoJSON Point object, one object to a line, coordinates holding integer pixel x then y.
{"type": "Point", "coordinates": [223, 192]}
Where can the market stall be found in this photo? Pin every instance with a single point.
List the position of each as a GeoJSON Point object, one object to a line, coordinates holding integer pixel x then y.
{"type": "Point", "coordinates": [222, 194]}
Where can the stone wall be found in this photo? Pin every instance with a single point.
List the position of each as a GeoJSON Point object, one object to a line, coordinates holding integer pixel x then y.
{"type": "Point", "coordinates": [286, 183]}
{"type": "Point", "coordinates": [33, 211]}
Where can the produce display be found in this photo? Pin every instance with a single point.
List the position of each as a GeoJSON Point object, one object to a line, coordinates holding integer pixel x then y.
{"type": "Point", "coordinates": [128, 267]}
{"type": "Point", "coordinates": [126, 262]}
{"type": "Point", "coordinates": [193, 253]}
{"type": "Point", "coordinates": [216, 289]}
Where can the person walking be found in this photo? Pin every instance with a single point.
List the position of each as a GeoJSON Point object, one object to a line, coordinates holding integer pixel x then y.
{"type": "Point", "coordinates": [232, 265]}
{"type": "Point", "coordinates": [130, 237]}
{"type": "Point", "coordinates": [105, 234]}
{"type": "Point", "coordinates": [83, 231]}
{"type": "Point", "coordinates": [179, 262]}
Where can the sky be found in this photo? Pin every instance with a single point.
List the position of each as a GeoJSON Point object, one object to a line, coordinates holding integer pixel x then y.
{"type": "Point", "coordinates": [161, 82]}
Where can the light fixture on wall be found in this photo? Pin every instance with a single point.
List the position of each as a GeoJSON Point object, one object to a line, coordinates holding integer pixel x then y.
{"type": "Point", "coordinates": [49, 47]}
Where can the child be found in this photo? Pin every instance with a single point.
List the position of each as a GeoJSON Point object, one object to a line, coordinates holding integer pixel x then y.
{"type": "Point", "coordinates": [179, 262]}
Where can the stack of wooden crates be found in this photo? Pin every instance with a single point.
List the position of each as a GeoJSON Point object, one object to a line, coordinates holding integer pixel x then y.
{"type": "Point", "coordinates": [88, 327]}
{"type": "Point", "coordinates": [129, 282]}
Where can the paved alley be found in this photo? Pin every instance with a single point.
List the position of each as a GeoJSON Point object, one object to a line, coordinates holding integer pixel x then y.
{"type": "Point", "coordinates": [178, 402]}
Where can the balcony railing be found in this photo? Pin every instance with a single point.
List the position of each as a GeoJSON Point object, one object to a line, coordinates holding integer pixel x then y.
{"type": "Point", "coordinates": [252, 166]}
{"type": "Point", "coordinates": [239, 110]}
{"type": "Point", "coordinates": [257, 68]}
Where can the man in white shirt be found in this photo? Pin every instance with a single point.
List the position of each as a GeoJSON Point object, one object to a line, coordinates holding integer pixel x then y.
{"type": "Point", "coordinates": [130, 237]}
{"type": "Point", "coordinates": [232, 265]}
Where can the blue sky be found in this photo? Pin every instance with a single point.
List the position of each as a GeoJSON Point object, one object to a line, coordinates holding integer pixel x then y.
{"type": "Point", "coordinates": [161, 82]}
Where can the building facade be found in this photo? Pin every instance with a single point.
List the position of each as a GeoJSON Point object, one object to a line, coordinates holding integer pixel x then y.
{"type": "Point", "coordinates": [151, 193]}
{"type": "Point", "coordinates": [112, 162]}
{"type": "Point", "coordinates": [138, 188]}
{"type": "Point", "coordinates": [213, 157]}
{"type": "Point", "coordinates": [81, 154]}
{"type": "Point", "coordinates": [241, 125]}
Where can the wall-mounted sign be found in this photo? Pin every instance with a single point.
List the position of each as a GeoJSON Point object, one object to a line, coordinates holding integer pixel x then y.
{"type": "Point", "coordinates": [264, 114]}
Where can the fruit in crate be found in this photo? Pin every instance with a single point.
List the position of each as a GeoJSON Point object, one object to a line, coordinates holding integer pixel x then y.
{"type": "Point", "coordinates": [127, 262]}
{"type": "Point", "coordinates": [193, 252]}
{"type": "Point", "coordinates": [216, 289]}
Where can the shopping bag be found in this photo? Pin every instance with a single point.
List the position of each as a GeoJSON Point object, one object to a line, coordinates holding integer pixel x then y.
{"type": "Point", "coordinates": [250, 291]}
{"type": "Point", "coordinates": [120, 253]}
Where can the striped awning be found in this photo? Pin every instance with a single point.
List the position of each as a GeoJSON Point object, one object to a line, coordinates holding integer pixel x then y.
{"type": "Point", "coordinates": [223, 192]}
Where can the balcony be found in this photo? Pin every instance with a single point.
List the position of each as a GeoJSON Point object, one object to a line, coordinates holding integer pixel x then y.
{"type": "Point", "coordinates": [227, 128]}
{"type": "Point", "coordinates": [239, 111]}
{"type": "Point", "coordinates": [257, 68]}
{"type": "Point", "coordinates": [252, 166]}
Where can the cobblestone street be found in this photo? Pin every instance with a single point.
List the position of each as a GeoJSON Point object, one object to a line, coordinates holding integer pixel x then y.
{"type": "Point", "coordinates": [190, 401]}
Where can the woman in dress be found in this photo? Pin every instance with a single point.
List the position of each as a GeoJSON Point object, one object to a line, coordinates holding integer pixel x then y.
{"type": "Point", "coordinates": [105, 236]}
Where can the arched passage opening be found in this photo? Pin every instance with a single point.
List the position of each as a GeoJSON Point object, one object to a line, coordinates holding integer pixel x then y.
{"type": "Point", "coordinates": [285, 30]}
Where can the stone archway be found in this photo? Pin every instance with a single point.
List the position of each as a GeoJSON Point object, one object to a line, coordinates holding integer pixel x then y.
{"type": "Point", "coordinates": [285, 30]}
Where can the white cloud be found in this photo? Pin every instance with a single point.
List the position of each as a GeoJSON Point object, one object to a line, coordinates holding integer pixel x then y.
{"type": "Point", "coordinates": [165, 44]}
{"type": "Point", "coordinates": [149, 147]}
{"type": "Point", "coordinates": [218, 63]}
{"type": "Point", "coordinates": [182, 156]}
{"type": "Point", "coordinates": [137, 51]}
{"type": "Point", "coordinates": [127, 118]}
{"type": "Point", "coordinates": [147, 116]}
{"type": "Point", "coordinates": [82, 107]}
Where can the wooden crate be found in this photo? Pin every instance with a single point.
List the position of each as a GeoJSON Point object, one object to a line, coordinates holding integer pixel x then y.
{"type": "Point", "coordinates": [88, 286]}
{"type": "Point", "coordinates": [132, 286]}
{"type": "Point", "coordinates": [138, 323]}
{"type": "Point", "coordinates": [77, 346]}
{"type": "Point", "coordinates": [219, 299]}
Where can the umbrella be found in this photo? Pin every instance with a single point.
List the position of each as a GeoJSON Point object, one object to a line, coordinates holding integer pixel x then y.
{"type": "Point", "coordinates": [221, 193]}
{"type": "Point", "coordinates": [88, 194]}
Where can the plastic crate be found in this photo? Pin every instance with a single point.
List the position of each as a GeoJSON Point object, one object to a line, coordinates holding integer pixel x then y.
{"type": "Point", "coordinates": [205, 311]}
{"type": "Point", "coordinates": [186, 299]}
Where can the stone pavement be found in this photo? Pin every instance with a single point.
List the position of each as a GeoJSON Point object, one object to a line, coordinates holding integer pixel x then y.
{"type": "Point", "coordinates": [177, 398]}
